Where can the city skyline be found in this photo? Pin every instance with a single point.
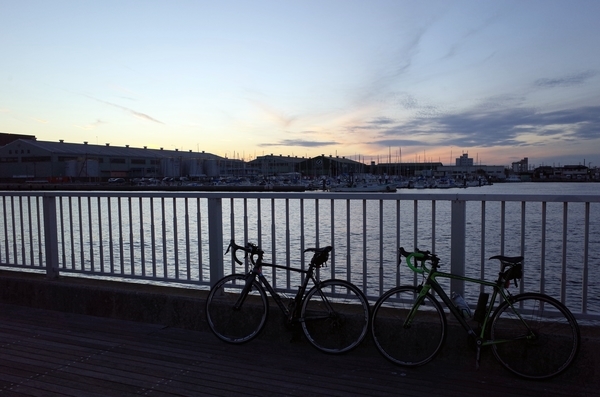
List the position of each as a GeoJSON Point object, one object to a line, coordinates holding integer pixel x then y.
{"type": "Point", "coordinates": [462, 160]}
{"type": "Point", "coordinates": [420, 81]}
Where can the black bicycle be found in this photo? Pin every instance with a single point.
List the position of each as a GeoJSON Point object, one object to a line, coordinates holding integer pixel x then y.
{"type": "Point", "coordinates": [334, 314]}
{"type": "Point", "coordinates": [531, 334]}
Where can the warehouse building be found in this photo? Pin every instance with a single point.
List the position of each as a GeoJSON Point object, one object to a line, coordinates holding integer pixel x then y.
{"type": "Point", "coordinates": [27, 159]}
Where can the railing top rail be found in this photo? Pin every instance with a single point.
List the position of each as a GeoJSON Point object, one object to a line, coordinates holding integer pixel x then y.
{"type": "Point", "coordinates": [400, 195]}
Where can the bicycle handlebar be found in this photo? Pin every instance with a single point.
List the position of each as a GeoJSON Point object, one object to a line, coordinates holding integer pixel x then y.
{"type": "Point", "coordinates": [420, 256]}
{"type": "Point", "coordinates": [249, 249]}
{"type": "Point", "coordinates": [321, 255]}
{"type": "Point", "coordinates": [511, 267]}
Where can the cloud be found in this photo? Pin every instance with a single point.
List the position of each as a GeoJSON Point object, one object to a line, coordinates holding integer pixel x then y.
{"type": "Point", "coordinates": [90, 126]}
{"type": "Point", "coordinates": [275, 115]}
{"type": "Point", "coordinates": [455, 48]}
{"type": "Point", "coordinates": [409, 102]}
{"type": "Point", "coordinates": [503, 127]}
{"type": "Point", "coordinates": [140, 115]}
{"type": "Point", "coordinates": [389, 68]}
{"type": "Point", "coordinates": [566, 81]}
{"type": "Point", "coordinates": [135, 113]}
{"type": "Point", "coordinates": [380, 122]}
{"type": "Point", "coordinates": [400, 143]}
{"type": "Point", "coordinates": [300, 143]}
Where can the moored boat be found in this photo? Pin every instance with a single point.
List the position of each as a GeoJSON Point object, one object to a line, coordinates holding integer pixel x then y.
{"type": "Point", "coordinates": [513, 178]}
{"type": "Point", "coordinates": [445, 183]}
{"type": "Point", "coordinates": [362, 188]}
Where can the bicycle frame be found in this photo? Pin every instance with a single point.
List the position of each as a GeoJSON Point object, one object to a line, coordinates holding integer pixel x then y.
{"type": "Point", "coordinates": [333, 314]}
{"type": "Point", "coordinates": [431, 283]}
{"type": "Point", "coordinates": [290, 312]}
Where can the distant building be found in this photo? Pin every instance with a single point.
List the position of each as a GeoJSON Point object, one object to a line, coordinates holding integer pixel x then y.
{"type": "Point", "coordinates": [331, 166]}
{"type": "Point", "coordinates": [312, 167]}
{"type": "Point", "coordinates": [566, 173]}
{"type": "Point", "coordinates": [5, 138]}
{"type": "Point", "coordinates": [273, 165]}
{"type": "Point", "coordinates": [520, 166]}
{"type": "Point", "coordinates": [464, 161]}
{"type": "Point", "coordinates": [30, 159]}
{"type": "Point", "coordinates": [465, 168]}
{"type": "Point", "coordinates": [408, 169]}
{"type": "Point", "coordinates": [493, 172]}
{"type": "Point", "coordinates": [545, 172]}
{"type": "Point", "coordinates": [574, 172]}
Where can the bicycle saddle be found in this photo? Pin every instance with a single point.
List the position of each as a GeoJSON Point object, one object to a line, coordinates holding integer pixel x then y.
{"type": "Point", "coordinates": [320, 250]}
{"type": "Point", "coordinates": [508, 259]}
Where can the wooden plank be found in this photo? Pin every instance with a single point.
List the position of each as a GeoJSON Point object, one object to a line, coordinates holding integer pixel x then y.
{"type": "Point", "coordinates": [49, 353]}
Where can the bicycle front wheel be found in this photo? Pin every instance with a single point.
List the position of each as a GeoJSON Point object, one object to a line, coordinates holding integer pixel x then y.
{"type": "Point", "coordinates": [535, 336]}
{"type": "Point", "coordinates": [405, 330]}
{"type": "Point", "coordinates": [232, 317]}
{"type": "Point", "coordinates": [335, 316]}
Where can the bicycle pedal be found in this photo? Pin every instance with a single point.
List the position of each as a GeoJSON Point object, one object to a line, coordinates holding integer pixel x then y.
{"type": "Point", "coordinates": [478, 357]}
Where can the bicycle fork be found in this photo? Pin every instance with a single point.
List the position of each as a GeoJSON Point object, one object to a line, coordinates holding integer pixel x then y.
{"type": "Point", "coordinates": [250, 277]}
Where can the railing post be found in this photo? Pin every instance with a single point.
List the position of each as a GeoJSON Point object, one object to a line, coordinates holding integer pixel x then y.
{"type": "Point", "coordinates": [50, 235]}
{"type": "Point", "coordinates": [458, 244]}
{"type": "Point", "coordinates": [215, 239]}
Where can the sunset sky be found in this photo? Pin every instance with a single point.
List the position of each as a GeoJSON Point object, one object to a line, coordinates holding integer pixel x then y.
{"type": "Point", "coordinates": [420, 80]}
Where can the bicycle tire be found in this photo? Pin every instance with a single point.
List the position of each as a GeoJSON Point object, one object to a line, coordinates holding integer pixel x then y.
{"type": "Point", "coordinates": [553, 346]}
{"type": "Point", "coordinates": [335, 316]}
{"type": "Point", "coordinates": [416, 344]}
{"type": "Point", "coordinates": [236, 325]}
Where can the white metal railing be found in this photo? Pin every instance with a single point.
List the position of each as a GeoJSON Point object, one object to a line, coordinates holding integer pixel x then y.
{"type": "Point", "coordinates": [180, 237]}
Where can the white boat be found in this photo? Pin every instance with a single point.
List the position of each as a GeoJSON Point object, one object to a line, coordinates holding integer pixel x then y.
{"type": "Point", "coordinates": [363, 184]}
{"type": "Point", "coordinates": [476, 182]}
{"type": "Point", "coordinates": [401, 184]}
{"type": "Point", "coordinates": [362, 188]}
{"type": "Point", "coordinates": [421, 183]}
{"type": "Point", "coordinates": [513, 178]}
{"type": "Point", "coordinates": [445, 183]}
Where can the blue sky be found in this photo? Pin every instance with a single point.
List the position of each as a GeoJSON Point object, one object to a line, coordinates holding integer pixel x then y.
{"type": "Point", "coordinates": [411, 80]}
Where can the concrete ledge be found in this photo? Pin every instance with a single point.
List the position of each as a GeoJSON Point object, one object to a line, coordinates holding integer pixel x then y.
{"type": "Point", "coordinates": [184, 308]}
{"type": "Point", "coordinates": [177, 307]}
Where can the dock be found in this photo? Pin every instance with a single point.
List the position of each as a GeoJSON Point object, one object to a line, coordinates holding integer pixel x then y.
{"type": "Point", "coordinates": [51, 349]}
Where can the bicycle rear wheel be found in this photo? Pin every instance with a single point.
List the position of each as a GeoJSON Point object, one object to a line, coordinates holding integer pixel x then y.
{"type": "Point", "coordinates": [536, 337]}
{"type": "Point", "coordinates": [411, 343]}
{"type": "Point", "coordinates": [241, 324]}
{"type": "Point", "coordinates": [335, 316]}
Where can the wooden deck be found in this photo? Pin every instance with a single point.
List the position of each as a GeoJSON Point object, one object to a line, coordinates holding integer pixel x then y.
{"type": "Point", "coordinates": [50, 353]}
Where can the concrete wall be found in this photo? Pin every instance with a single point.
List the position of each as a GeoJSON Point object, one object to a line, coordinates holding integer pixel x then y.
{"type": "Point", "coordinates": [177, 307]}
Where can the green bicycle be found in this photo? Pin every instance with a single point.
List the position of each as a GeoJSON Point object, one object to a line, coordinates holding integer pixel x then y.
{"type": "Point", "coordinates": [531, 334]}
